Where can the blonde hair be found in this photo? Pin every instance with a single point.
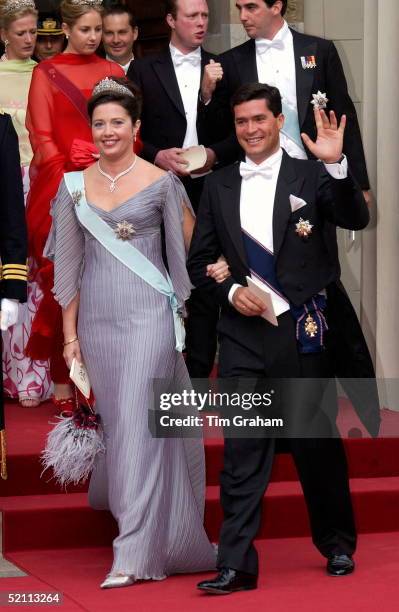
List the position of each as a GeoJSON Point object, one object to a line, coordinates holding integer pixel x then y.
{"type": "Point", "coordinates": [7, 17]}
{"type": "Point", "coordinates": [71, 12]}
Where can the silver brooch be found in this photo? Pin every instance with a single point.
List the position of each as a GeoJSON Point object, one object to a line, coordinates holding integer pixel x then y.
{"type": "Point", "coordinates": [303, 228]}
{"type": "Point", "coordinates": [124, 230]}
{"type": "Point", "coordinates": [76, 197]}
{"type": "Point", "coordinates": [319, 100]}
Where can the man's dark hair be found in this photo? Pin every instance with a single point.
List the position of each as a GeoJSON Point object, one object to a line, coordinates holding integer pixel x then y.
{"type": "Point", "coordinates": [171, 7]}
{"type": "Point", "coordinates": [258, 91]}
{"type": "Point", "coordinates": [283, 8]}
{"type": "Point", "coordinates": [120, 9]}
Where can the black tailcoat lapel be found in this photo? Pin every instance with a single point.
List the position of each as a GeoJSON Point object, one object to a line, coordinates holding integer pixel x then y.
{"type": "Point", "coordinates": [164, 69]}
{"type": "Point", "coordinates": [245, 57]}
{"type": "Point", "coordinates": [304, 76]}
{"type": "Point", "coordinates": [230, 196]}
{"type": "Point", "coordinates": [205, 58]}
{"type": "Point", "coordinates": [288, 183]}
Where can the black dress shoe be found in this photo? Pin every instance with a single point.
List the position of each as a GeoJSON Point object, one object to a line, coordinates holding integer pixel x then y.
{"type": "Point", "coordinates": [340, 565]}
{"type": "Point", "coordinates": [228, 581]}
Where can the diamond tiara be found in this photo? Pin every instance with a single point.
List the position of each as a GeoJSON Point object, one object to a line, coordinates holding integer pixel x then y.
{"type": "Point", "coordinates": [109, 85]}
{"type": "Point", "coordinates": [12, 6]}
{"type": "Point", "coordinates": [87, 2]}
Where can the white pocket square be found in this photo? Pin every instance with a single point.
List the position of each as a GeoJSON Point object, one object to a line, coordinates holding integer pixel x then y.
{"type": "Point", "coordinates": [296, 203]}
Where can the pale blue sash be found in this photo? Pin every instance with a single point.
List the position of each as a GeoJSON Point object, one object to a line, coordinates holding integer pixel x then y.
{"type": "Point", "coordinates": [125, 252]}
{"type": "Point", "coordinates": [291, 125]}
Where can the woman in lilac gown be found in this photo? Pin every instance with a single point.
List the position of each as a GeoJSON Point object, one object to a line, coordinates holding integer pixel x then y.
{"type": "Point", "coordinates": [122, 328]}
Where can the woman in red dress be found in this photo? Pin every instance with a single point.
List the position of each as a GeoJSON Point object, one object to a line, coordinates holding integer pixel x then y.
{"type": "Point", "coordinates": [61, 141]}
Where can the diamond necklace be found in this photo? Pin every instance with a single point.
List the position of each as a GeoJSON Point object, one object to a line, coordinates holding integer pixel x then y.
{"type": "Point", "coordinates": [116, 178]}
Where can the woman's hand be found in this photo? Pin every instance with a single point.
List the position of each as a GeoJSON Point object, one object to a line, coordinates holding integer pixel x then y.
{"type": "Point", "coordinates": [219, 271]}
{"type": "Point", "coordinates": [71, 352]}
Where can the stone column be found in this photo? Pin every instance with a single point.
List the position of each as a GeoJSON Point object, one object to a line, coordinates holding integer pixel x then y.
{"type": "Point", "coordinates": [387, 191]}
{"type": "Point", "coordinates": [369, 131]}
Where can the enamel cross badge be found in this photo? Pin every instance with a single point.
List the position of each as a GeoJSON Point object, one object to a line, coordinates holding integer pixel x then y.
{"type": "Point", "coordinates": [311, 327]}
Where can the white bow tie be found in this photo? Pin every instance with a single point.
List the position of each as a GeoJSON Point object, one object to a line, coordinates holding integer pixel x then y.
{"type": "Point", "coordinates": [248, 171]}
{"type": "Point", "coordinates": [263, 45]}
{"type": "Point", "coordinates": [191, 58]}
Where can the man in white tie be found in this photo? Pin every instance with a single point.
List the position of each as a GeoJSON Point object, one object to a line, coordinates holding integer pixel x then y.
{"type": "Point", "coordinates": [270, 217]}
{"type": "Point", "coordinates": [300, 66]}
{"type": "Point", "coordinates": [120, 32]}
{"type": "Point", "coordinates": [173, 119]}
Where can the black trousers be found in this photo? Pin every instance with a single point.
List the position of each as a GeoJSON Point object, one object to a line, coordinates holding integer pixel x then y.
{"type": "Point", "coordinates": [203, 313]}
{"type": "Point", "coordinates": [321, 461]}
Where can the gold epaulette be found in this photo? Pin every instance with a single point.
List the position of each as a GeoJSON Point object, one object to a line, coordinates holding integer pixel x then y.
{"type": "Point", "coordinates": [3, 463]}
{"type": "Point", "coordinates": [14, 272]}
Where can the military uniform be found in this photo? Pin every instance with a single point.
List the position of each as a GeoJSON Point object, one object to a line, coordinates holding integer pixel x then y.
{"type": "Point", "coordinates": [13, 237]}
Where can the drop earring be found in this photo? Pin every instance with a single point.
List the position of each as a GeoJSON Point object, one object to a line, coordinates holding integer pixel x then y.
{"type": "Point", "coordinates": [6, 43]}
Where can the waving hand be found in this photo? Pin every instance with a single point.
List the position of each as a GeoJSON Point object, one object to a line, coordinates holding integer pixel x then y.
{"type": "Point", "coordinates": [330, 137]}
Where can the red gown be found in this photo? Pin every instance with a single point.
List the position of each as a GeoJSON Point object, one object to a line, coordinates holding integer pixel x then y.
{"type": "Point", "coordinates": [61, 140]}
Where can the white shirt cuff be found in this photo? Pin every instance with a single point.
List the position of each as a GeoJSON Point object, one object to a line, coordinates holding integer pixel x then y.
{"type": "Point", "coordinates": [338, 170]}
{"type": "Point", "coordinates": [202, 100]}
{"type": "Point", "coordinates": [232, 291]}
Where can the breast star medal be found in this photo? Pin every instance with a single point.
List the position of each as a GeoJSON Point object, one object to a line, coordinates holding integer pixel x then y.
{"type": "Point", "coordinates": [124, 230]}
{"type": "Point", "coordinates": [311, 328]}
{"type": "Point", "coordinates": [303, 228]}
{"type": "Point", "coordinates": [319, 100]}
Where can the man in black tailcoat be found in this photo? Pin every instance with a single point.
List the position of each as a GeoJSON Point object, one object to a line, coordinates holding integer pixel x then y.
{"type": "Point", "coordinates": [301, 67]}
{"type": "Point", "coordinates": [173, 119]}
{"type": "Point", "coordinates": [271, 217]}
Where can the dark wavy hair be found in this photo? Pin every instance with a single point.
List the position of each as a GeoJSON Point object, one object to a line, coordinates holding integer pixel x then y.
{"type": "Point", "coordinates": [283, 8]}
{"type": "Point", "coordinates": [258, 91]}
{"type": "Point", "coordinates": [120, 9]}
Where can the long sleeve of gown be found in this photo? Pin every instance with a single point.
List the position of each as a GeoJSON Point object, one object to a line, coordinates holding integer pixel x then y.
{"type": "Point", "coordinates": [176, 199]}
{"type": "Point", "coordinates": [41, 114]}
{"type": "Point", "coordinates": [65, 247]}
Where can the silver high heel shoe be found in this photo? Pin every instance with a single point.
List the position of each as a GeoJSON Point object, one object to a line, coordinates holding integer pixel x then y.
{"type": "Point", "coordinates": [114, 582]}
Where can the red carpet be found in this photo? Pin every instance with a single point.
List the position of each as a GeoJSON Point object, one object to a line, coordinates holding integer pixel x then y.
{"type": "Point", "coordinates": [292, 578]}
{"type": "Point", "coordinates": [65, 545]}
